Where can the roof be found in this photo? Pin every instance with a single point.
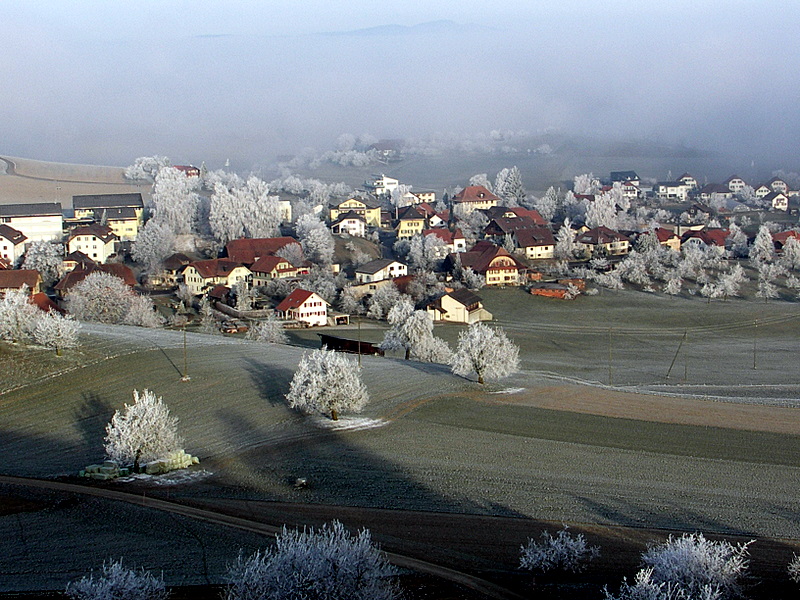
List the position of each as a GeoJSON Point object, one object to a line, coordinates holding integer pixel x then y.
{"type": "Point", "coordinates": [81, 259]}
{"type": "Point", "coordinates": [732, 177]}
{"type": "Point", "coordinates": [367, 200]}
{"type": "Point", "coordinates": [376, 265]}
{"type": "Point", "coordinates": [464, 296]}
{"type": "Point", "coordinates": [267, 264]}
{"type": "Point", "coordinates": [40, 209]}
{"type": "Point", "coordinates": [43, 302]}
{"type": "Point", "coordinates": [783, 236]}
{"type": "Point", "coordinates": [664, 235]}
{"type": "Point", "coordinates": [349, 215]}
{"type": "Point", "coordinates": [107, 201]}
{"type": "Point", "coordinates": [16, 278]}
{"type": "Point", "coordinates": [447, 236]}
{"type": "Point", "coordinates": [481, 256]}
{"type": "Point", "coordinates": [175, 261]}
{"type": "Point", "coordinates": [601, 235]}
{"type": "Point", "coordinates": [475, 193]}
{"type": "Point", "coordinates": [12, 235]}
{"type": "Point", "coordinates": [295, 299]}
{"type": "Point", "coordinates": [710, 237]}
{"type": "Point", "coordinates": [715, 188]}
{"type": "Point", "coordinates": [215, 267]}
{"type": "Point", "coordinates": [124, 213]}
{"type": "Point", "coordinates": [512, 224]}
{"type": "Point", "coordinates": [409, 213]}
{"type": "Point", "coordinates": [78, 275]}
{"type": "Point", "coordinates": [537, 236]}
{"type": "Point", "coordinates": [623, 175]}
{"type": "Point", "coordinates": [219, 291]}
{"type": "Point", "coordinates": [247, 250]}
{"type": "Point", "coordinates": [102, 232]}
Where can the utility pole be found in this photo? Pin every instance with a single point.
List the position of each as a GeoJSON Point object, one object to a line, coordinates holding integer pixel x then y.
{"type": "Point", "coordinates": [755, 329]}
{"type": "Point", "coordinates": [185, 359]}
{"type": "Point", "coordinates": [358, 319]}
{"type": "Point", "coordinates": [610, 357]}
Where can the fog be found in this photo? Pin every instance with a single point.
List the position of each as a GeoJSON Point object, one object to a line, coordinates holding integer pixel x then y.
{"type": "Point", "coordinates": [105, 82]}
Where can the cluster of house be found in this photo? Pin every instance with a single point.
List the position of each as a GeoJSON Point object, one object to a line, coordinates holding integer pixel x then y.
{"type": "Point", "coordinates": [98, 224]}
{"type": "Point", "coordinates": [775, 193]}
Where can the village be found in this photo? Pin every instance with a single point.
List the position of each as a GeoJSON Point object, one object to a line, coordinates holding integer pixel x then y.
{"type": "Point", "coordinates": [356, 253]}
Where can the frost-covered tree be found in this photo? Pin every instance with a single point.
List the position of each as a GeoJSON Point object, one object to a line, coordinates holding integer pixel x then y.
{"type": "Point", "coordinates": [425, 253]}
{"type": "Point", "coordinates": [142, 432]}
{"type": "Point", "coordinates": [17, 316]}
{"type": "Point", "coordinates": [790, 254]}
{"type": "Point", "coordinates": [730, 282]}
{"type": "Point", "coordinates": [412, 331]}
{"type": "Point", "coordinates": [270, 330]}
{"type": "Point", "coordinates": [154, 242]}
{"type": "Point", "coordinates": [117, 582]}
{"type": "Point", "coordinates": [398, 197]}
{"type": "Point", "coordinates": [324, 564]}
{"type": "Point", "coordinates": [327, 382]}
{"type": "Point", "coordinates": [548, 204]}
{"type": "Point", "coordinates": [382, 301]}
{"type": "Point", "coordinates": [694, 563]}
{"type": "Point", "coordinates": [105, 298]}
{"type": "Point", "coordinates": [485, 351]}
{"type": "Point", "coordinates": [564, 552]}
{"type": "Point", "coordinates": [481, 179]}
{"type": "Point", "coordinates": [586, 183]}
{"type": "Point", "coordinates": [316, 239]}
{"type": "Point", "coordinates": [737, 241]}
{"type": "Point", "coordinates": [175, 200]}
{"type": "Point", "coordinates": [602, 212]}
{"type": "Point", "coordinates": [45, 257]}
{"type": "Point", "coordinates": [146, 167]}
{"type": "Point", "coordinates": [794, 569]}
{"type": "Point", "coordinates": [509, 188]}
{"type": "Point", "coordinates": [763, 247]}
{"type": "Point", "coordinates": [244, 210]}
{"type": "Point", "coordinates": [52, 330]}
{"type": "Point", "coordinates": [566, 246]}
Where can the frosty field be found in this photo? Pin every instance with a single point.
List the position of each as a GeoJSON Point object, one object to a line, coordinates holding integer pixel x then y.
{"type": "Point", "coordinates": [718, 452]}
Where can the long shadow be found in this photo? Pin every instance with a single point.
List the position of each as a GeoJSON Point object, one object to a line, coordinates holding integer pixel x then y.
{"type": "Point", "coordinates": [91, 418]}
{"type": "Point", "coordinates": [270, 380]}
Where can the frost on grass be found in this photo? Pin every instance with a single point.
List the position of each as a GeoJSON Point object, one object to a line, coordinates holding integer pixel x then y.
{"type": "Point", "coordinates": [687, 568]}
{"type": "Point", "coordinates": [794, 569]}
{"type": "Point", "coordinates": [116, 582]}
{"type": "Point", "coordinates": [350, 423]}
{"type": "Point", "coordinates": [564, 552]}
{"type": "Point", "coordinates": [328, 563]}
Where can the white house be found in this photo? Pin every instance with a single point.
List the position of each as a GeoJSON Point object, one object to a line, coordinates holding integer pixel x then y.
{"type": "Point", "coordinates": [305, 307]}
{"type": "Point", "coordinates": [672, 190]}
{"type": "Point", "coordinates": [41, 222]}
{"type": "Point", "coordinates": [205, 274]}
{"type": "Point", "coordinates": [777, 201]}
{"type": "Point", "coordinates": [12, 244]}
{"type": "Point", "coordinates": [98, 242]}
{"type": "Point", "coordinates": [350, 223]}
{"type": "Point", "coordinates": [381, 185]}
{"type": "Point", "coordinates": [459, 306]}
{"type": "Point", "coordinates": [380, 269]}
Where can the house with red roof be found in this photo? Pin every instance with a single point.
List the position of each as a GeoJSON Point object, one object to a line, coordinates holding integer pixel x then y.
{"type": "Point", "coordinates": [780, 238]}
{"type": "Point", "coordinates": [493, 263]}
{"type": "Point", "coordinates": [454, 240]}
{"type": "Point", "coordinates": [475, 197]}
{"type": "Point", "coordinates": [268, 268]}
{"type": "Point", "coordinates": [668, 238]}
{"type": "Point", "coordinates": [17, 279]}
{"type": "Point", "coordinates": [202, 275]}
{"type": "Point", "coordinates": [706, 239]}
{"type": "Point", "coordinates": [248, 250]}
{"type": "Point", "coordinates": [80, 273]}
{"type": "Point", "coordinates": [305, 307]}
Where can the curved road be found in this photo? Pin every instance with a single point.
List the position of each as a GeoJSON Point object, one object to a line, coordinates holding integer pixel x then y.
{"type": "Point", "coordinates": [488, 589]}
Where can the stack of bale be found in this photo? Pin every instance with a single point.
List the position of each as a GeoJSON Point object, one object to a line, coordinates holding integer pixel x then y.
{"type": "Point", "coordinates": [108, 470]}
{"type": "Point", "coordinates": [179, 459]}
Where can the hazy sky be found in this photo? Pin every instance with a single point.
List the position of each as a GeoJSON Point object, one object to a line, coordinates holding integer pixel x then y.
{"type": "Point", "coordinates": [109, 81]}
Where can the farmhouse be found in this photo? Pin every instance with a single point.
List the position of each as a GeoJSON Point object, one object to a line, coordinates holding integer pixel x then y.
{"type": "Point", "coordinates": [17, 279]}
{"type": "Point", "coordinates": [380, 270]}
{"type": "Point", "coordinates": [459, 306]}
{"type": "Point", "coordinates": [267, 268]}
{"type": "Point", "coordinates": [98, 242]}
{"type": "Point", "coordinates": [363, 205]}
{"type": "Point", "coordinates": [12, 244]}
{"type": "Point", "coordinates": [475, 197]}
{"type": "Point", "coordinates": [303, 306]}
{"type": "Point", "coordinates": [612, 242]}
{"type": "Point", "coordinates": [248, 250]}
{"type": "Point", "coordinates": [41, 222]}
{"type": "Point", "coordinates": [495, 264]}
{"type": "Point", "coordinates": [204, 274]}
{"type": "Point", "coordinates": [536, 243]}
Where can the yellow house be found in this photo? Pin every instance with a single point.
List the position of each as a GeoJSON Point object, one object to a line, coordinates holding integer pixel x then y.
{"type": "Point", "coordinates": [205, 274]}
{"type": "Point", "coordinates": [364, 206]}
{"type": "Point", "coordinates": [459, 306]}
{"type": "Point", "coordinates": [409, 223]}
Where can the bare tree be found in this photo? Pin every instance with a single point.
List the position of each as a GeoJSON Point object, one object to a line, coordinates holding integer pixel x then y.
{"type": "Point", "coordinates": [327, 382]}
{"type": "Point", "coordinates": [329, 563]}
{"type": "Point", "coordinates": [485, 351]}
{"type": "Point", "coordinates": [142, 431]}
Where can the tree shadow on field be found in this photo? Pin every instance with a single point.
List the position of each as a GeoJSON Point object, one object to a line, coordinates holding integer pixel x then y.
{"type": "Point", "coordinates": [91, 418]}
{"type": "Point", "coordinates": [271, 382]}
